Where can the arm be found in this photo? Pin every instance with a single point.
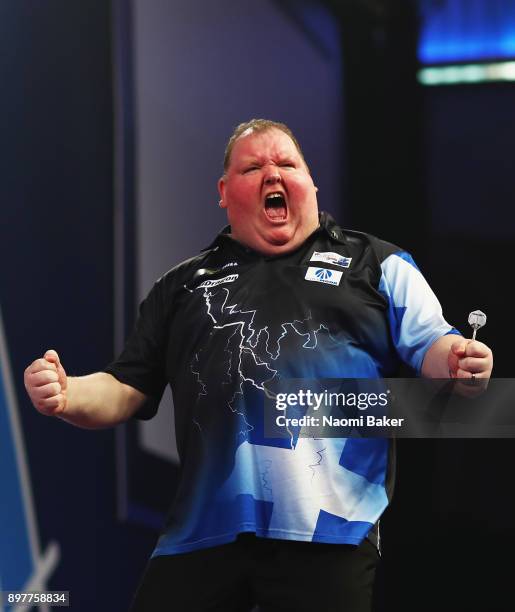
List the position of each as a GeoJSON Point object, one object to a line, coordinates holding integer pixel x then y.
{"type": "Point", "coordinates": [94, 401]}
{"type": "Point", "coordinates": [417, 322]}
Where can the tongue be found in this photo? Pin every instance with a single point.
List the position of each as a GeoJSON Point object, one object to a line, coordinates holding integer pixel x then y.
{"type": "Point", "coordinates": [276, 212]}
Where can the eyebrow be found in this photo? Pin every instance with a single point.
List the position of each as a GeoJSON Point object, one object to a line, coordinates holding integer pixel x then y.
{"type": "Point", "coordinates": [280, 158]}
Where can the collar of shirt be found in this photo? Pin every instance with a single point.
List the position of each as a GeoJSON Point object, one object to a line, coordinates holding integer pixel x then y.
{"type": "Point", "coordinates": [327, 225]}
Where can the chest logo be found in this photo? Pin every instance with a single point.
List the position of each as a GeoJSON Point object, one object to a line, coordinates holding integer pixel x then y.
{"type": "Point", "coordinates": [213, 283]}
{"type": "Point", "coordinates": [332, 258]}
{"type": "Point", "coordinates": [323, 275]}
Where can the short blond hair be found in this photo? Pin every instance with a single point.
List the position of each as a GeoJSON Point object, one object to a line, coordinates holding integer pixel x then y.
{"type": "Point", "coordinates": [257, 126]}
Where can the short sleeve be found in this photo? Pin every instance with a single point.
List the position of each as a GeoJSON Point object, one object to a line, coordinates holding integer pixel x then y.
{"type": "Point", "coordinates": [414, 312]}
{"type": "Point", "coordinates": [142, 362]}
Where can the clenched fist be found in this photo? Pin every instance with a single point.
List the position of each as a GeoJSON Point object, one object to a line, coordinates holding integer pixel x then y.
{"type": "Point", "coordinates": [470, 359]}
{"type": "Point", "coordinates": [46, 384]}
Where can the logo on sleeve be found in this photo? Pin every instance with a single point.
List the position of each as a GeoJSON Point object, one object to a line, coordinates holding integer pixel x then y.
{"type": "Point", "coordinates": [332, 258]}
{"type": "Point", "coordinates": [323, 275]}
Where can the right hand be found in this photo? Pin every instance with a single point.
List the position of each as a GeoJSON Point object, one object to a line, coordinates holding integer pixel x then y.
{"type": "Point", "coordinates": [46, 384]}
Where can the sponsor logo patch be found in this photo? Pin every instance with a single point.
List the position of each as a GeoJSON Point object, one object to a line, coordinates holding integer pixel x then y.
{"type": "Point", "coordinates": [323, 275]}
{"type": "Point", "coordinates": [333, 258]}
{"type": "Point", "coordinates": [213, 283]}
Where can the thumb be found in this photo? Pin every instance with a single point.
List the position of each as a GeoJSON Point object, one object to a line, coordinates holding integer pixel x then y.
{"type": "Point", "coordinates": [456, 352]}
{"type": "Point", "coordinates": [53, 357]}
{"type": "Point", "coordinates": [459, 347]}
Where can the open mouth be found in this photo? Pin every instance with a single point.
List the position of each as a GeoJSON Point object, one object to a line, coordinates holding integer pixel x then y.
{"type": "Point", "coordinates": [275, 206]}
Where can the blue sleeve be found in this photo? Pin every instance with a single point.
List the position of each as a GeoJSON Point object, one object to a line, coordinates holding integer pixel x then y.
{"type": "Point", "coordinates": [414, 312]}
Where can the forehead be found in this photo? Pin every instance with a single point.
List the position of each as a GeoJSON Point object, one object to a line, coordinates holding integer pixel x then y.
{"type": "Point", "coordinates": [270, 143]}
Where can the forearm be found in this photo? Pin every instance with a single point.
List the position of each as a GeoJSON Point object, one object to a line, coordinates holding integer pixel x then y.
{"type": "Point", "coordinates": [99, 400]}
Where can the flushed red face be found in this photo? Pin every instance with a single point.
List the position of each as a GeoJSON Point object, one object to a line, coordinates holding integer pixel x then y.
{"type": "Point", "coordinates": [269, 193]}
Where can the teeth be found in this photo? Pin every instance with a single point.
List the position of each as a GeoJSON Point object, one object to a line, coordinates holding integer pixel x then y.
{"type": "Point", "coordinates": [275, 196]}
{"type": "Point", "coordinates": [275, 200]}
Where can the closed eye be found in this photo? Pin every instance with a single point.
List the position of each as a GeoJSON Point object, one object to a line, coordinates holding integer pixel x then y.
{"type": "Point", "coordinates": [250, 169]}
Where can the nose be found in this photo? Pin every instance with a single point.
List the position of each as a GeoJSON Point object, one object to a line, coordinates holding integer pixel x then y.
{"type": "Point", "coordinates": [272, 176]}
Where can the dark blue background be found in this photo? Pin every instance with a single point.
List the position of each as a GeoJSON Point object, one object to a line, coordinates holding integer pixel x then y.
{"type": "Point", "coordinates": [56, 277]}
{"type": "Point", "coordinates": [56, 280]}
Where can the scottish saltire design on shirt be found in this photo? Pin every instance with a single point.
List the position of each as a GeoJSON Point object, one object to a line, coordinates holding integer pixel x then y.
{"type": "Point", "coordinates": [218, 344]}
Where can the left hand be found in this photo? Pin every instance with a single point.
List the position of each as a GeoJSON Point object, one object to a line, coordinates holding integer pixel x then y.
{"type": "Point", "coordinates": [470, 359]}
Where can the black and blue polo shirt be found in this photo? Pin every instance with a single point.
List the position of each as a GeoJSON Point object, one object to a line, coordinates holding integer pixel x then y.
{"type": "Point", "coordinates": [221, 326]}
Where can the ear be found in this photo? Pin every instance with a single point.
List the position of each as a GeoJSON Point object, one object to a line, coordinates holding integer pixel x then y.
{"type": "Point", "coordinates": [316, 188]}
{"type": "Point", "coordinates": [221, 191]}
